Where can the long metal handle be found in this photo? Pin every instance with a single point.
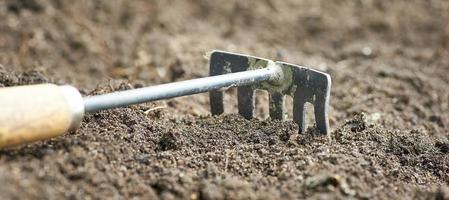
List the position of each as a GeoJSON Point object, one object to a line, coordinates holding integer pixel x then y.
{"type": "Point", "coordinates": [182, 88]}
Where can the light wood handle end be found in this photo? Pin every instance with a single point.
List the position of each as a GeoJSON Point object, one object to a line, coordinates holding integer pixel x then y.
{"type": "Point", "coordinates": [36, 112]}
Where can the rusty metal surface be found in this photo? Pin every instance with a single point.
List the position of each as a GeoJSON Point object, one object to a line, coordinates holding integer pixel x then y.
{"type": "Point", "coordinates": [303, 84]}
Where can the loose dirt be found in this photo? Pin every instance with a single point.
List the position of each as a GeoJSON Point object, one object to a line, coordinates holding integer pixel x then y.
{"type": "Point", "coordinates": [389, 62]}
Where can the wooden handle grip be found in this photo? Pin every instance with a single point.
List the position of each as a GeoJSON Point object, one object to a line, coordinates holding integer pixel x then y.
{"type": "Point", "coordinates": [36, 112]}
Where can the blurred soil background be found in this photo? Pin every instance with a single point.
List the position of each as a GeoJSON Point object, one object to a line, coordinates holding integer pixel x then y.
{"type": "Point", "coordinates": [389, 63]}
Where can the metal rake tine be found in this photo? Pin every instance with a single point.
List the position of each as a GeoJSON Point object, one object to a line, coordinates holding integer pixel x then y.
{"type": "Point", "coordinates": [303, 84]}
{"type": "Point", "coordinates": [311, 86]}
{"type": "Point", "coordinates": [222, 62]}
{"type": "Point", "coordinates": [276, 106]}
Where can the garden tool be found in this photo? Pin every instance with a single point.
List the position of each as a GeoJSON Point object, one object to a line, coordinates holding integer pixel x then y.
{"type": "Point", "coordinates": [36, 112]}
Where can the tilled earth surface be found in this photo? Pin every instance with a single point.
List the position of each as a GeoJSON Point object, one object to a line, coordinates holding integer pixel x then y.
{"type": "Point", "coordinates": [389, 62]}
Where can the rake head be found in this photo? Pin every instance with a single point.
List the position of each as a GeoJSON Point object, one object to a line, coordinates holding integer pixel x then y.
{"type": "Point", "coordinates": [301, 83]}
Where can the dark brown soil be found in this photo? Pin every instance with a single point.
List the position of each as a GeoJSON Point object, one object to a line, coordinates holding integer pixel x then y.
{"type": "Point", "coordinates": [389, 62]}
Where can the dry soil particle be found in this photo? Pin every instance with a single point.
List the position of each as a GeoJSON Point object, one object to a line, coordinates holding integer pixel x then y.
{"type": "Point", "coordinates": [388, 61]}
{"type": "Point", "coordinates": [127, 153]}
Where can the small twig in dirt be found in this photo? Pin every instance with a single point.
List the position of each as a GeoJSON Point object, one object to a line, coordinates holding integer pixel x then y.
{"type": "Point", "coordinates": [153, 109]}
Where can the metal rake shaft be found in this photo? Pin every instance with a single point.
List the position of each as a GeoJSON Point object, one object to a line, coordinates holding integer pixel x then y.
{"type": "Point", "coordinates": [182, 88]}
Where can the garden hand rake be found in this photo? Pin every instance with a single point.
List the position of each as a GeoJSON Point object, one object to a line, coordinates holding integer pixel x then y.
{"type": "Point", "coordinates": [30, 113]}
